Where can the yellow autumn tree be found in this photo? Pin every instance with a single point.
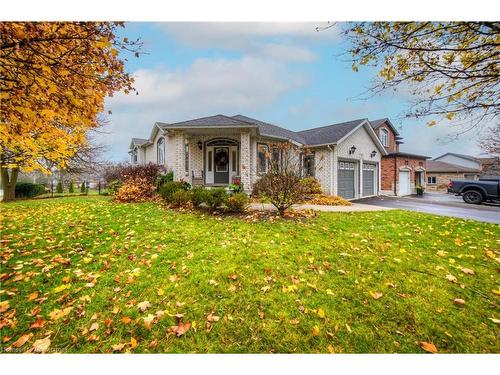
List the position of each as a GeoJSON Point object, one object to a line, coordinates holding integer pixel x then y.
{"type": "Point", "coordinates": [451, 68]}
{"type": "Point", "coordinates": [54, 77]}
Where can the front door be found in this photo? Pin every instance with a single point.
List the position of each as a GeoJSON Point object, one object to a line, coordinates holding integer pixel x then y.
{"type": "Point", "coordinates": [221, 164]}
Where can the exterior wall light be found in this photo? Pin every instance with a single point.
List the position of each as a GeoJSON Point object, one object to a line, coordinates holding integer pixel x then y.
{"type": "Point", "coordinates": [373, 153]}
{"type": "Point", "coordinates": [200, 145]}
{"type": "Point", "coordinates": [352, 150]}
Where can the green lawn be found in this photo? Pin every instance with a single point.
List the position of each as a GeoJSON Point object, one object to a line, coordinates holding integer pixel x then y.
{"type": "Point", "coordinates": [341, 282]}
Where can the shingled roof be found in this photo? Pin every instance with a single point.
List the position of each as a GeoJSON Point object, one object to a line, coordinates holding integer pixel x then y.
{"type": "Point", "coordinates": [139, 141]}
{"type": "Point", "coordinates": [216, 121]}
{"type": "Point", "coordinates": [376, 123]}
{"type": "Point", "coordinates": [272, 130]}
{"type": "Point", "coordinates": [441, 166]}
{"type": "Point", "coordinates": [330, 133]}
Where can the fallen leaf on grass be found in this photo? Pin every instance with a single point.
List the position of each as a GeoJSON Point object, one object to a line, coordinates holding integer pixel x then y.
{"type": "Point", "coordinates": [232, 276]}
{"type": "Point", "coordinates": [39, 323]}
{"type": "Point", "coordinates": [94, 327]}
{"type": "Point", "coordinates": [118, 347]}
{"type": "Point", "coordinates": [315, 331]}
{"type": "Point", "coordinates": [42, 345]}
{"type": "Point", "coordinates": [496, 321]}
{"type": "Point", "coordinates": [467, 271]}
{"type": "Point", "coordinates": [22, 340]}
{"type": "Point", "coordinates": [451, 278]}
{"type": "Point", "coordinates": [148, 320]}
{"type": "Point", "coordinates": [180, 329]}
{"type": "Point", "coordinates": [133, 343]}
{"type": "Point", "coordinates": [60, 288]}
{"type": "Point", "coordinates": [32, 296]}
{"type": "Point", "coordinates": [4, 306]}
{"type": "Point", "coordinates": [143, 305]}
{"type": "Point", "coordinates": [126, 320]}
{"type": "Point", "coordinates": [428, 347]}
{"type": "Point", "coordinates": [330, 349]}
{"type": "Point", "coordinates": [458, 301]}
{"type": "Point", "coordinates": [321, 313]}
{"type": "Point", "coordinates": [58, 314]}
{"type": "Point", "coordinates": [376, 295]}
{"type": "Point", "coordinates": [212, 318]}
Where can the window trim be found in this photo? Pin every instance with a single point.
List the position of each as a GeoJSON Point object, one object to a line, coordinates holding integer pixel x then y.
{"type": "Point", "coordinates": [384, 137]}
{"type": "Point", "coordinates": [162, 140]}
{"type": "Point", "coordinates": [259, 171]}
{"type": "Point", "coordinates": [186, 157]}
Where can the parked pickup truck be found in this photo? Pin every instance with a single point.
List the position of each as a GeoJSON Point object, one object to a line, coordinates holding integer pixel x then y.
{"type": "Point", "coordinates": [476, 191]}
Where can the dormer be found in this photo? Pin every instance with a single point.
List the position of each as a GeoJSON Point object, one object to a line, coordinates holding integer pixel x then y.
{"type": "Point", "coordinates": [387, 133]}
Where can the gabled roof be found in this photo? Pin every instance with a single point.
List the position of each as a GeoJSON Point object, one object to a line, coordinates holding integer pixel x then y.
{"type": "Point", "coordinates": [376, 123]}
{"type": "Point", "coordinates": [139, 141]}
{"type": "Point", "coordinates": [467, 157]}
{"type": "Point", "coordinates": [441, 166]}
{"type": "Point", "coordinates": [271, 130]}
{"type": "Point", "coordinates": [330, 133]}
{"type": "Point", "coordinates": [216, 121]}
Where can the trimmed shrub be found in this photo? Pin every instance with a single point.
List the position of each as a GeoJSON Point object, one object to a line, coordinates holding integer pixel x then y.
{"type": "Point", "coordinates": [135, 190]}
{"type": "Point", "coordinates": [83, 188]}
{"type": "Point", "coordinates": [311, 185]}
{"type": "Point", "coordinates": [28, 190]}
{"type": "Point", "coordinates": [238, 202]}
{"type": "Point", "coordinates": [71, 188]}
{"type": "Point", "coordinates": [59, 187]}
{"type": "Point", "coordinates": [216, 197]}
{"type": "Point", "coordinates": [125, 172]}
{"type": "Point", "coordinates": [180, 198]}
{"type": "Point", "coordinates": [199, 195]}
{"type": "Point", "coordinates": [164, 178]}
{"type": "Point", "coordinates": [168, 189]}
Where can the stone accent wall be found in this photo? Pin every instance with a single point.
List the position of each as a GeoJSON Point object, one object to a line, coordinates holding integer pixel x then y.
{"type": "Point", "coordinates": [179, 141]}
{"type": "Point", "coordinates": [245, 161]}
{"type": "Point", "coordinates": [442, 180]}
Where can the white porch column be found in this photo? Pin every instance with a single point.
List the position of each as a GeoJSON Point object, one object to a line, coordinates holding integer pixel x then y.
{"type": "Point", "coordinates": [179, 141]}
{"type": "Point", "coordinates": [245, 160]}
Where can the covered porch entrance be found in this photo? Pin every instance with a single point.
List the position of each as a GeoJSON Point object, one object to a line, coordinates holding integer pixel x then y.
{"type": "Point", "coordinates": [221, 164]}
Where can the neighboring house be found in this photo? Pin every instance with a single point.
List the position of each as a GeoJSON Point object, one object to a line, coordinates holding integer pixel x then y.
{"type": "Point", "coordinates": [460, 159]}
{"type": "Point", "coordinates": [439, 174]}
{"type": "Point", "coordinates": [401, 171]}
{"type": "Point", "coordinates": [215, 150]}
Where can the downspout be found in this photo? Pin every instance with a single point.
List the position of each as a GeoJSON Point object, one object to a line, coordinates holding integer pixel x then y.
{"type": "Point", "coordinates": [331, 168]}
{"type": "Point", "coordinates": [395, 193]}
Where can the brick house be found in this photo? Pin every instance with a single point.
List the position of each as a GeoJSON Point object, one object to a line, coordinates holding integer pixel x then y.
{"type": "Point", "coordinates": [401, 172]}
{"type": "Point", "coordinates": [451, 166]}
{"type": "Point", "coordinates": [216, 150]}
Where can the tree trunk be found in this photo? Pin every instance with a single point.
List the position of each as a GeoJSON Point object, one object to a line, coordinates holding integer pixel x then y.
{"type": "Point", "coordinates": [9, 183]}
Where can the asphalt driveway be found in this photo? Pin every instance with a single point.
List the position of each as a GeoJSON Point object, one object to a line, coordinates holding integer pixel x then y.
{"type": "Point", "coordinates": [439, 204]}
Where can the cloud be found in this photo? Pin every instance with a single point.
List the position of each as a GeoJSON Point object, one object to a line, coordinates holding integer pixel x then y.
{"type": "Point", "coordinates": [206, 87]}
{"type": "Point", "coordinates": [274, 40]}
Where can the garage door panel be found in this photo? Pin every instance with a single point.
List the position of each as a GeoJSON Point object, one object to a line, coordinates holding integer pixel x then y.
{"type": "Point", "coordinates": [369, 173]}
{"type": "Point", "coordinates": [346, 177]}
{"type": "Point", "coordinates": [404, 183]}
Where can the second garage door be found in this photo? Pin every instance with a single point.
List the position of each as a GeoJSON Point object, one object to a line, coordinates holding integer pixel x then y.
{"type": "Point", "coordinates": [346, 173]}
{"type": "Point", "coordinates": [368, 179]}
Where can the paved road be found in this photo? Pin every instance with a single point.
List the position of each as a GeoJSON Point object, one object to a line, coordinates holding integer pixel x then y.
{"type": "Point", "coordinates": [440, 204]}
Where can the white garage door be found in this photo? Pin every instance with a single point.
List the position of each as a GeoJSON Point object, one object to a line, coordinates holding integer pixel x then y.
{"type": "Point", "coordinates": [404, 183]}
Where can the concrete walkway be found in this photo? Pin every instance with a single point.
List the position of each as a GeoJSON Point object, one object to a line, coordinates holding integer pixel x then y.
{"type": "Point", "coordinates": [355, 207]}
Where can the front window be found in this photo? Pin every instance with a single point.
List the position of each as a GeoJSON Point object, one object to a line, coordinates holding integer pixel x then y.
{"type": "Point", "coordinates": [309, 165]}
{"type": "Point", "coordinates": [160, 151]}
{"type": "Point", "coordinates": [262, 154]}
{"type": "Point", "coordinates": [431, 180]}
{"type": "Point", "coordinates": [186, 157]}
{"type": "Point", "coordinates": [384, 136]}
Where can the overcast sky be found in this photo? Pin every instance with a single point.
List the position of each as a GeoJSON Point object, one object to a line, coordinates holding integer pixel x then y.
{"type": "Point", "coordinates": [284, 73]}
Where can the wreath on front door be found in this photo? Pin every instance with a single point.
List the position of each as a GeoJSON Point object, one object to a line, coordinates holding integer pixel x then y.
{"type": "Point", "coordinates": [221, 158]}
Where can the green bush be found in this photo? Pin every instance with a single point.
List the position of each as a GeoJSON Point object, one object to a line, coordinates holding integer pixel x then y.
{"type": "Point", "coordinates": [71, 188]}
{"type": "Point", "coordinates": [164, 178]}
{"type": "Point", "coordinates": [59, 188]}
{"type": "Point", "coordinates": [180, 198]}
{"type": "Point", "coordinates": [216, 197]}
{"type": "Point", "coordinates": [28, 190]}
{"type": "Point", "coordinates": [83, 188]}
{"type": "Point", "coordinates": [199, 195]}
{"type": "Point", "coordinates": [238, 202]}
{"type": "Point", "coordinates": [113, 186]}
{"type": "Point", "coordinates": [170, 188]}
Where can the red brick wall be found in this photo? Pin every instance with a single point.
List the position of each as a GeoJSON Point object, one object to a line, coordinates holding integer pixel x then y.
{"type": "Point", "coordinates": [387, 167]}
